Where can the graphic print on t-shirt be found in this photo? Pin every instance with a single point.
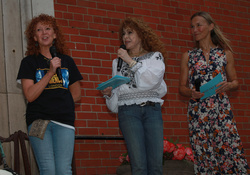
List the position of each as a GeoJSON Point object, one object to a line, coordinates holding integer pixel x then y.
{"type": "Point", "coordinates": [54, 81]}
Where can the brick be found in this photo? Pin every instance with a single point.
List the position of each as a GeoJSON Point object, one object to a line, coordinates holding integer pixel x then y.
{"type": "Point", "coordinates": [115, 14]}
{"type": "Point", "coordinates": [87, 4]}
{"type": "Point", "coordinates": [78, 17]}
{"type": "Point", "coordinates": [87, 163]}
{"type": "Point", "coordinates": [100, 41]}
{"type": "Point", "coordinates": [60, 7]}
{"type": "Point", "coordinates": [97, 124]}
{"type": "Point", "coordinates": [82, 54]}
{"type": "Point", "coordinates": [80, 123]}
{"type": "Point", "coordinates": [124, 9]}
{"type": "Point", "coordinates": [70, 30]}
{"type": "Point", "coordinates": [112, 124]}
{"type": "Point", "coordinates": [142, 12]}
{"type": "Point", "coordinates": [87, 131]}
{"type": "Point", "coordinates": [81, 155]}
{"type": "Point", "coordinates": [99, 155]}
{"type": "Point", "coordinates": [75, 9]}
{"type": "Point", "coordinates": [181, 132]}
{"type": "Point", "coordinates": [78, 24]}
{"type": "Point", "coordinates": [109, 131]}
{"type": "Point", "coordinates": [114, 2]}
{"type": "Point", "coordinates": [111, 163]}
{"type": "Point", "coordinates": [96, 12]}
{"type": "Point", "coordinates": [71, 2]}
{"type": "Point", "coordinates": [152, 7]}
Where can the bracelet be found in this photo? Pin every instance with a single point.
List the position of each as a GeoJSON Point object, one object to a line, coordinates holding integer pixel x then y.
{"type": "Point", "coordinates": [132, 63]}
{"type": "Point", "coordinates": [106, 97]}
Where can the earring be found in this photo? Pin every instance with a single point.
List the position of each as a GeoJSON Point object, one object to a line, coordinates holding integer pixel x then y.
{"type": "Point", "coordinates": [36, 44]}
{"type": "Point", "coordinates": [53, 42]}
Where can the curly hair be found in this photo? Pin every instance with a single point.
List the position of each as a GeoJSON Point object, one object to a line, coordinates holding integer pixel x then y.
{"type": "Point", "coordinates": [149, 39]}
{"type": "Point", "coordinates": [59, 42]}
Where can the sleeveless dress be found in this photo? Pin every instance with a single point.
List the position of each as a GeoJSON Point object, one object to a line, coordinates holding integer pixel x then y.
{"type": "Point", "coordinates": [212, 128]}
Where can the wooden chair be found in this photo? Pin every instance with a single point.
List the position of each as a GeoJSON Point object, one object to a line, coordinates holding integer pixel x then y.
{"type": "Point", "coordinates": [19, 138]}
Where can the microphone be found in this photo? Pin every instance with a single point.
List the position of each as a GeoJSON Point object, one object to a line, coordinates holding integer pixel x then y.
{"type": "Point", "coordinates": [53, 53]}
{"type": "Point", "coordinates": [119, 65]}
{"type": "Point", "coordinates": [197, 84]}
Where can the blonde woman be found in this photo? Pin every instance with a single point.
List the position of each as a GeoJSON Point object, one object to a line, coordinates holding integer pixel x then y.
{"type": "Point", "coordinates": [213, 134]}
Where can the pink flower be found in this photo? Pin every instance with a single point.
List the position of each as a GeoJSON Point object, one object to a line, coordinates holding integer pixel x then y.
{"type": "Point", "coordinates": [127, 158]}
{"type": "Point", "coordinates": [168, 146]}
{"type": "Point", "coordinates": [179, 153]}
{"type": "Point", "coordinates": [179, 145]}
{"type": "Point", "coordinates": [189, 151]}
{"type": "Point", "coordinates": [189, 157]}
{"type": "Point", "coordinates": [121, 158]}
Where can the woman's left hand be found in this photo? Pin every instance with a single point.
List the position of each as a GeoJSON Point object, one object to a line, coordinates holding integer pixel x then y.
{"type": "Point", "coordinates": [223, 86]}
{"type": "Point", "coordinates": [107, 91]}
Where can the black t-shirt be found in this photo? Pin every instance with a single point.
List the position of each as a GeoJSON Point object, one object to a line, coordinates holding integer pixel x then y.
{"type": "Point", "coordinates": [55, 102]}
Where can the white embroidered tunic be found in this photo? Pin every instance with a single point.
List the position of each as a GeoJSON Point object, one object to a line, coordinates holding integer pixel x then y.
{"type": "Point", "coordinates": [146, 83]}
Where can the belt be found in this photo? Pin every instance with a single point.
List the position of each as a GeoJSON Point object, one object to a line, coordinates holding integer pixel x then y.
{"type": "Point", "coordinates": [148, 103]}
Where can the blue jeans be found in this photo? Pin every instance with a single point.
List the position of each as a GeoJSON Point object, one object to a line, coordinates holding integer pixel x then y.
{"type": "Point", "coordinates": [54, 153]}
{"type": "Point", "coordinates": [142, 128]}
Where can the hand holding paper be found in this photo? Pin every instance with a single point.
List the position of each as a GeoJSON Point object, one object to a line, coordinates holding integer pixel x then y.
{"type": "Point", "coordinates": [114, 82]}
{"type": "Point", "coordinates": [209, 88]}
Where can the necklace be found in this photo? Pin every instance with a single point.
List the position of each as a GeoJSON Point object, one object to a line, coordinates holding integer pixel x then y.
{"type": "Point", "coordinates": [208, 52]}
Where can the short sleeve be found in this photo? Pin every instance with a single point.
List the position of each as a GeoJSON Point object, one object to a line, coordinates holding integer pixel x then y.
{"type": "Point", "coordinates": [74, 74]}
{"type": "Point", "coordinates": [27, 70]}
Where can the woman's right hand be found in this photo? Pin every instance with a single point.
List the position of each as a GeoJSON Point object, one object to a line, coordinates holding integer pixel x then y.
{"type": "Point", "coordinates": [54, 64]}
{"type": "Point", "coordinates": [196, 94]}
{"type": "Point", "coordinates": [107, 91]}
{"type": "Point", "coordinates": [123, 54]}
{"type": "Point", "coordinates": [33, 90]}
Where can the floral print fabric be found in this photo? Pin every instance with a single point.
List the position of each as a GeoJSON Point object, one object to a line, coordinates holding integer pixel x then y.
{"type": "Point", "coordinates": [214, 137]}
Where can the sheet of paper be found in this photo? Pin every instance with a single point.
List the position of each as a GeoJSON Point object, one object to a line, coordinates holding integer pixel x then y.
{"type": "Point", "coordinates": [209, 88]}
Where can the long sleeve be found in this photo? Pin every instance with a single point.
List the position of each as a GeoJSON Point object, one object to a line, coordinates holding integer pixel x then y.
{"type": "Point", "coordinates": [146, 78]}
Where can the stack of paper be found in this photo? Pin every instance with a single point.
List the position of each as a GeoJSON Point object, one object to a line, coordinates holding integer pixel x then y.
{"type": "Point", "coordinates": [209, 88]}
{"type": "Point", "coordinates": [114, 82]}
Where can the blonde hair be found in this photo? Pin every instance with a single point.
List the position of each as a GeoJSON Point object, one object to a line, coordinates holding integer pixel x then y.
{"type": "Point", "coordinates": [149, 39]}
{"type": "Point", "coordinates": [217, 36]}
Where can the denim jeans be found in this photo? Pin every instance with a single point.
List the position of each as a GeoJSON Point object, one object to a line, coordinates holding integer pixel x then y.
{"type": "Point", "coordinates": [54, 153]}
{"type": "Point", "coordinates": [142, 128]}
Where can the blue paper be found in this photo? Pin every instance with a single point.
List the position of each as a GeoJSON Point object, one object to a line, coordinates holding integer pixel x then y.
{"type": "Point", "coordinates": [209, 88]}
{"type": "Point", "coordinates": [114, 82]}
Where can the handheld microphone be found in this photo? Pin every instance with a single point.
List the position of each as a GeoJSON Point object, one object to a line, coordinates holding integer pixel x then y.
{"type": "Point", "coordinates": [119, 65]}
{"type": "Point", "coordinates": [53, 53]}
{"type": "Point", "coordinates": [197, 84]}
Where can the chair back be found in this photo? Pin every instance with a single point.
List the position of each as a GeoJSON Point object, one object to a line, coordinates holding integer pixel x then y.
{"type": "Point", "coordinates": [18, 138]}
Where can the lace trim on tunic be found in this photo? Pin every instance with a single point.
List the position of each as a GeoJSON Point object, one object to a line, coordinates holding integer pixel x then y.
{"type": "Point", "coordinates": [138, 95]}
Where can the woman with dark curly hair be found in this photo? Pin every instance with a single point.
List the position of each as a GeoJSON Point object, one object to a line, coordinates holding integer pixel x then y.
{"type": "Point", "coordinates": [138, 103]}
{"type": "Point", "coordinates": [51, 100]}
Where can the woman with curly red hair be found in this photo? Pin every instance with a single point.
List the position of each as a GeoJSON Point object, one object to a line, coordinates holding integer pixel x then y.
{"type": "Point", "coordinates": [51, 100]}
{"type": "Point", "coordinates": [138, 103]}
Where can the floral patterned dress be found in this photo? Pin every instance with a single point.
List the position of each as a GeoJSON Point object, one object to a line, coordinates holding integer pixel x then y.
{"type": "Point", "coordinates": [213, 134]}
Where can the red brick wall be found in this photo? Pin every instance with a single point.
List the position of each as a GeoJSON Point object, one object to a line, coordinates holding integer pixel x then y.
{"type": "Point", "coordinates": [91, 28]}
